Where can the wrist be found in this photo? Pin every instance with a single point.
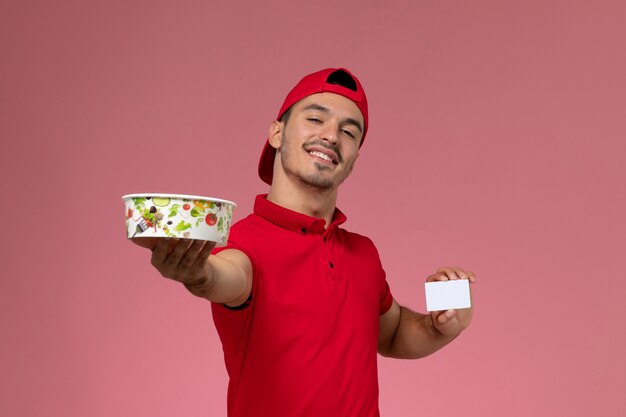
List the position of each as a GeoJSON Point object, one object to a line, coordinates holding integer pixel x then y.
{"type": "Point", "coordinates": [198, 286]}
{"type": "Point", "coordinates": [200, 282]}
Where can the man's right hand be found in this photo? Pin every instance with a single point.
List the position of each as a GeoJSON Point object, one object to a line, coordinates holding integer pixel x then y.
{"type": "Point", "coordinates": [183, 260]}
{"type": "Point", "coordinates": [222, 278]}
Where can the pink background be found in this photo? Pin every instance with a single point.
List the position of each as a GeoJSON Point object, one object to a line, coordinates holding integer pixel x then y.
{"type": "Point", "coordinates": [496, 144]}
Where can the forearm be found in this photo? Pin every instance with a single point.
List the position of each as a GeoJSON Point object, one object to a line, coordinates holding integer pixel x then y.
{"type": "Point", "coordinates": [225, 278]}
{"type": "Point", "coordinates": [415, 337]}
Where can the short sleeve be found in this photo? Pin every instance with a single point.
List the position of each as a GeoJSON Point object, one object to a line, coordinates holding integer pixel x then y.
{"type": "Point", "coordinates": [237, 243]}
{"type": "Point", "coordinates": [385, 298]}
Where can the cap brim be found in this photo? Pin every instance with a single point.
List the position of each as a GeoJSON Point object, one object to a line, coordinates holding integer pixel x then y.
{"type": "Point", "coordinates": [266, 163]}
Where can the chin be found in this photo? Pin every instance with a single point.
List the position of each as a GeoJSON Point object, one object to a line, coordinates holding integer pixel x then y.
{"type": "Point", "coordinates": [321, 182]}
{"type": "Point", "coordinates": [318, 183]}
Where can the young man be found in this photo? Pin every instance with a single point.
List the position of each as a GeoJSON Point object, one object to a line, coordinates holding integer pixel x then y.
{"type": "Point", "coordinates": [301, 305]}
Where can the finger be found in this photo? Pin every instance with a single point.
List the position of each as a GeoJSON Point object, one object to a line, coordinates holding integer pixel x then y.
{"type": "Point", "coordinates": [437, 277]}
{"type": "Point", "coordinates": [461, 273]}
{"type": "Point", "coordinates": [449, 272]}
{"type": "Point", "coordinates": [204, 254]}
{"type": "Point", "coordinates": [190, 256]}
{"type": "Point", "coordinates": [472, 277]}
{"type": "Point", "coordinates": [145, 242]}
{"type": "Point", "coordinates": [177, 253]}
{"type": "Point", "coordinates": [201, 259]}
{"type": "Point", "coordinates": [160, 251]}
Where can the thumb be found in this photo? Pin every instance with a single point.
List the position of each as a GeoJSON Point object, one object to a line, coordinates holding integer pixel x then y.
{"type": "Point", "coordinates": [445, 316]}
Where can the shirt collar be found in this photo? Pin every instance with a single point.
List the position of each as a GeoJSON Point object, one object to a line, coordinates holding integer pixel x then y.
{"type": "Point", "coordinates": [292, 220]}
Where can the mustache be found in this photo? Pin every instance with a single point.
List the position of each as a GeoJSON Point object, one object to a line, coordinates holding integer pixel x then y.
{"type": "Point", "coordinates": [326, 145]}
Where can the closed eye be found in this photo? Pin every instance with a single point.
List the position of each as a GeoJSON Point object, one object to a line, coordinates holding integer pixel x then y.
{"type": "Point", "coordinates": [314, 120]}
{"type": "Point", "coordinates": [347, 132]}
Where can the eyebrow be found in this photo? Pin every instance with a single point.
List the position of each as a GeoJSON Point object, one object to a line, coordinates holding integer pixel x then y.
{"type": "Point", "coordinates": [323, 109]}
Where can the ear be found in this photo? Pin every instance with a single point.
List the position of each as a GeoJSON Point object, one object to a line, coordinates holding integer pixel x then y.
{"type": "Point", "coordinates": [275, 134]}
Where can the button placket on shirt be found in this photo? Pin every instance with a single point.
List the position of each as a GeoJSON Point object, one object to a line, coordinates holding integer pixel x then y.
{"type": "Point", "coordinates": [327, 243]}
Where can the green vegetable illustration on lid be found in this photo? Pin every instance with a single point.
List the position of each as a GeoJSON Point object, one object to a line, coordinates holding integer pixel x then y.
{"type": "Point", "coordinates": [160, 202]}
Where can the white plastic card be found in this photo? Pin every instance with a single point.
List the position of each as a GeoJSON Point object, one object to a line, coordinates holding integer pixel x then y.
{"type": "Point", "coordinates": [446, 295]}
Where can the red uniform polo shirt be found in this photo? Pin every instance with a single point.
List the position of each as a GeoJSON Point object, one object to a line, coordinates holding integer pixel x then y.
{"type": "Point", "coordinates": [306, 344]}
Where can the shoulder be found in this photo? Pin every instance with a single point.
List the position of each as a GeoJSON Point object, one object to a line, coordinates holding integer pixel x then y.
{"type": "Point", "coordinates": [239, 236]}
{"type": "Point", "coordinates": [241, 228]}
{"type": "Point", "coordinates": [357, 239]}
{"type": "Point", "coordinates": [361, 246]}
{"type": "Point", "coordinates": [248, 235]}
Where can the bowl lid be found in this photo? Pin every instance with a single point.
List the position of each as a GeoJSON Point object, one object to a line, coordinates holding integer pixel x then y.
{"type": "Point", "coordinates": [178, 196]}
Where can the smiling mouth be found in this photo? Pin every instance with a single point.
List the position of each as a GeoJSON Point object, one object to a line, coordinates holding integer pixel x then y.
{"type": "Point", "coordinates": [323, 156]}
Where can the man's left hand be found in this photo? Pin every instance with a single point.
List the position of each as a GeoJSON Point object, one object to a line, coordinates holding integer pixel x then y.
{"type": "Point", "coordinates": [452, 322]}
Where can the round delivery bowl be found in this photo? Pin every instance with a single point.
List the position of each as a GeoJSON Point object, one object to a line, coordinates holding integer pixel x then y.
{"type": "Point", "coordinates": [178, 216]}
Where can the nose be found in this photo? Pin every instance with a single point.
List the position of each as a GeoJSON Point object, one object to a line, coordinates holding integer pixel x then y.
{"type": "Point", "coordinates": [330, 132]}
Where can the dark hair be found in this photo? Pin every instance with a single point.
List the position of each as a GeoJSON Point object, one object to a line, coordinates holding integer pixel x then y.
{"type": "Point", "coordinates": [285, 117]}
{"type": "Point", "coordinates": [339, 77]}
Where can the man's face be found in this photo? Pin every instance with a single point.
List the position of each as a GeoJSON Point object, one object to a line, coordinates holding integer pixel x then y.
{"type": "Point", "coordinates": [320, 141]}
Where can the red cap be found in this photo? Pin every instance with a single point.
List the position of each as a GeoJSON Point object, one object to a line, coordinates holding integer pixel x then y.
{"type": "Point", "coordinates": [319, 82]}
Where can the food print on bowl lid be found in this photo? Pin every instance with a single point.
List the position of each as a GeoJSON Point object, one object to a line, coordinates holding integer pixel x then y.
{"type": "Point", "coordinates": [179, 216]}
